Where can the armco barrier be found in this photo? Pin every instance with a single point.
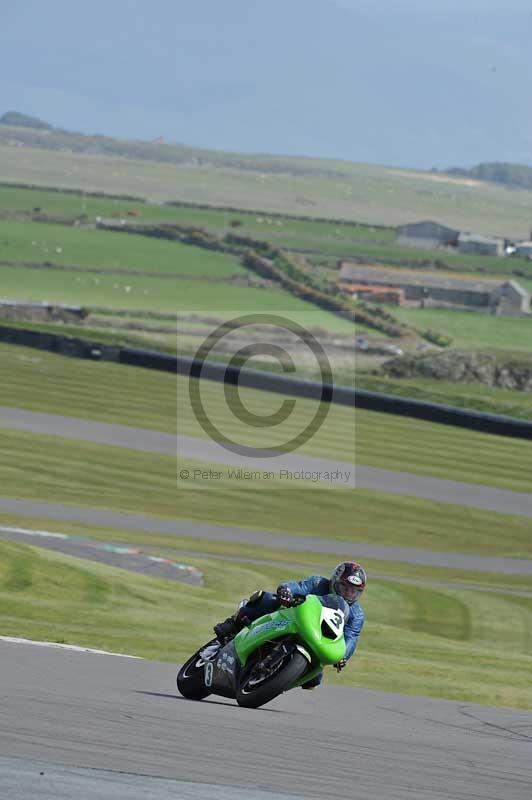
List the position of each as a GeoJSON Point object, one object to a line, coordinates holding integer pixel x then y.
{"type": "Point", "coordinates": [445, 415]}
{"type": "Point", "coordinates": [267, 381]}
{"type": "Point", "coordinates": [372, 401]}
{"type": "Point", "coordinates": [59, 343]}
{"type": "Point", "coordinates": [251, 378]}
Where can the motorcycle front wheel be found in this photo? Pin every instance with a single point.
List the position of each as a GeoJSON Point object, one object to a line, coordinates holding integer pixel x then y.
{"type": "Point", "coordinates": [255, 690]}
{"type": "Point", "coordinates": [191, 676]}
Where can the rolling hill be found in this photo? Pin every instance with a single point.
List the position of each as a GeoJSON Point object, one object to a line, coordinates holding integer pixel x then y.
{"type": "Point", "coordinates": [307, 187]}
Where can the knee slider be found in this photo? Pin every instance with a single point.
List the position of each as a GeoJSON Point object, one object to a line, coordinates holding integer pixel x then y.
{"type": "Point", "coordinates": [256, 597]}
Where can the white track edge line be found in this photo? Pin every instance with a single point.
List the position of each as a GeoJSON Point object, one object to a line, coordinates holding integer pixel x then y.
{"type": "Point", "coordinates": [73, 647]}
{"type": "Point", "coordinates": [33, 532]}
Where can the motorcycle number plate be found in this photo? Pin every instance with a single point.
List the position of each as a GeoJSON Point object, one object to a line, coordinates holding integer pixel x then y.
{"type": "Point", "coordinates": [335, 619]}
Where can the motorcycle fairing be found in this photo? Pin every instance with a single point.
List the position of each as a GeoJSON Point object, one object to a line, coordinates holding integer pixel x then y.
{"type": "Point", "coordinates": [323, 640]}
{"type": "Point", "coordinates": [220, 673]}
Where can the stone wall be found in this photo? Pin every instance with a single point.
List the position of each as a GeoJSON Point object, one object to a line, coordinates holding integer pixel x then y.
{"type": "Point", "coordinates": [465, 367]}
{"type": "Point", "coordinates": [41, 312]}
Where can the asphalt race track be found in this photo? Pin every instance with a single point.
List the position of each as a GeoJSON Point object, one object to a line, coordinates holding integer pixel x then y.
{"type": "Point", "coordinates": [305, 544]}
{"type": "Point", "coordinates": [93, 726]}
{"type": "Point", "coordinates": [402, 483]}
{"type": "Point", "coordinates": [132, 559]}
{"type": "Point", "coordinates": [101, 727]}
{"type": "Point", "coordinates": [470, 495]}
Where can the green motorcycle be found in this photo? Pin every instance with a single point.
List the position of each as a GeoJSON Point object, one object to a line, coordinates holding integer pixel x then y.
{"type": "Point", "coordinates": [276, 652]}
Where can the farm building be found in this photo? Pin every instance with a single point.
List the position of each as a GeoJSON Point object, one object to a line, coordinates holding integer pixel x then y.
{"type": "Point", "coordinates": [379, 294]}
{"type": "Point", "coordinates": [524, 249]}
{"type": "Point", "coordinates": [430, 289]}
{"type": "Point", "coordinates": [480, 245]}
{"type": "Point", "coordinates": [427, 234]}
{"type": "Point", "coordinates": [511, 298]}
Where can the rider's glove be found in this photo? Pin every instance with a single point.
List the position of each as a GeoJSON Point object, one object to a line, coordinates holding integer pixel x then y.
{"type": "Point", "coordinates": [341, 664]}
{"type": "Point", "coordinates": [285, 596]}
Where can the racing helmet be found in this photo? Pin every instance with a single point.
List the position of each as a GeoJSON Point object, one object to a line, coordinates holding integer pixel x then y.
{"type": "Point", "coordinates": [349, 581]}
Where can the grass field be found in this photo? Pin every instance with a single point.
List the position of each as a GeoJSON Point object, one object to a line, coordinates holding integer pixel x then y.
{"type": "Point", "coordinates": [455, 262]}
{"type": "Point", "coordinates": [42, 468]}
{"type": "Point", "coordinates": [443, 633]}
{"type": "Point", "coordinates": [113, 252]}
{"type": "Point", "coordinates": [187, 548]}
{"type": "Point", "coordinates": [123, 329]}
{"type": "Point", "coordinates": [422, 640]}
{"type": "Point", "coordinates": [472, 330]}
{"type": "Point", "coordinates": [114, 393]}
{"type": "Point", "coordinates": [424, 635]}
{"type": "Point", "coordinates": [104, 250]}
{"type": "Point", "coordinates": [108, 328]}
{"type": "Point", "coordinates": [283, 230]}
{"type": "Point", "coordinates": [381, 440]}
{"type": "Point", "coordinates": [364, 193]}
{"type": "Point", "coordinates": [476, 396]}
{"type": "Point", "coordinates": [146, 293]}
{"type": "Point", "coordinates": [35, 242]}
{"type": "Point", "coordinates": [321, 238]}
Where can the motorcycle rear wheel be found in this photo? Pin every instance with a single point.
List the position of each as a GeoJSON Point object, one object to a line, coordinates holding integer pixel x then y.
{"type": "Point", "coordinates": [294, 668]}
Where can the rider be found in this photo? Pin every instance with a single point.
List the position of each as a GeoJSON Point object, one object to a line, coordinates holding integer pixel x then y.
{"type": "Point", "coordinates": [348, 580]}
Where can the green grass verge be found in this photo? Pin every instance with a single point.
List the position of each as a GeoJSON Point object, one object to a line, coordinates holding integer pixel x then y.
{"type": "Point", "coordinates": [160, 335]}
{"type": "Point", "coordinates": [472, 330]}
{"type": "Point", "coordinates": [114, 393]}
{"type": "Point", "coordinates": [52, 469]}
{"type": "Point", "coordinates": [381, 440]}
{"type": "Point", "coordinates": [475, 396]}
{"type": "Point", "coordinates": [107, 334]}
{"type": "Point", "coordinates": [102, 391]}
{"type": "Point", "coordinates": [185, 548]}
{"type": "Point", "coordinates": [417, 640]}
{"type": "Point", "coordinates": [443, 451]}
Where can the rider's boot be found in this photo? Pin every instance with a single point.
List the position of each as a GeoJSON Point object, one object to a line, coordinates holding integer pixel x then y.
{"type": "Point", "coordinates": [314, 682]}
{"type": "Point", "coordinates": [228, 629]}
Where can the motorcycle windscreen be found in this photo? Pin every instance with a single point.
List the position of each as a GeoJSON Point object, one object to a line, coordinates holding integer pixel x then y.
{"type": "Point", "coordinates": [334, 601]}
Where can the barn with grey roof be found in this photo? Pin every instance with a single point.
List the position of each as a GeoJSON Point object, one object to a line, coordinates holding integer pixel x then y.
{"type": "Point", "coordinates": [433, 289]}
{"type": "Point", "coordinates": [427, 234]}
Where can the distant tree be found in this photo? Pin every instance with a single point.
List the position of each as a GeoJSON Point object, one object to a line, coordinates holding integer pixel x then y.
{"type": "Point", "coordinates": [519, 175]}
{"type": "Point", "coordinates": [24, 121]}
